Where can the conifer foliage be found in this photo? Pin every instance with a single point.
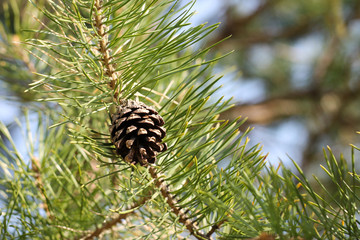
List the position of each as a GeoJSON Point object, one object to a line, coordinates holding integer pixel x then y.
{"type": "Point", "coordinates": [132, 66]}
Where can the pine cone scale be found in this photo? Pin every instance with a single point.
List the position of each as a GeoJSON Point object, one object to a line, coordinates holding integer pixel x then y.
{"type": "Point", "coordinates": [118, 134]}
{"type": "Point", "coordinates": [147, 122]}
{"type": "Point", "coordinates": [142, 131]}
{"type": "Point", "coordinates": [157, 133]}
{"type": "Point", "coordinates": [131, 129]}
{"type": "Point", "coordinates": [157, 119]}
{"type": "Point", "coordinates": [133, 117]}
{"type": "Point", "coordinates": [129, 143]}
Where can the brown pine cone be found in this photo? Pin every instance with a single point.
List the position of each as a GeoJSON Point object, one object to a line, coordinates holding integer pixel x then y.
{"type": "Point", "coordinates": [136, 131]}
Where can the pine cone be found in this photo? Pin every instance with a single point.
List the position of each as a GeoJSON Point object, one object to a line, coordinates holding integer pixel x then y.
{"type": "Point", "coordinates": [136, 131]}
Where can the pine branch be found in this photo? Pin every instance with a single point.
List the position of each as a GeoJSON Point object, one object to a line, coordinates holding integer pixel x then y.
{"type": "Point", "coordinates": [171, 201]}
{"type": "Point", "coordinates": [40, 186]}
{"type": "Point", "coordinates": [264, 236]}
{"type": "Point", "coordinates": [106, 58]}
{"type": "Point", "coordinates": [113, 76]}
{"type": "Point", "coordinates": [215, 227]}
{"type": "Point", "coordinates": [244, 21]}
{"type": "Point", "coordinates": [110, 224]}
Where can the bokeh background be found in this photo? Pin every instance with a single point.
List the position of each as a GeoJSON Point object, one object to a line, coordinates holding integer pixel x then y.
{"type": "Point", "coordinates": [294, 72]}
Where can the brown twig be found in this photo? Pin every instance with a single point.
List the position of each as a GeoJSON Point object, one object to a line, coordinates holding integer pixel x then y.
{"type": "Point", "coordinates": [215, 227]}
{"type": "Point", "coordinates": [292, 32]}
{"type": "Point", "coordinates": [171, 201]}
{"type": "Point", "coordinates": [243, 21]}
{"type": "Point", "coordinates": [106, 59]}
{"type": "Point", "coordinates": [265, 236]}
{"type": "Point", "coordinates": [110, 71]}
{"type": "Point", "coordinates": [233, 25]}
{"type": "Point", "coordinates": [270, 109]}
{"type": "Point", "coordinates": [39, 184]}
{"type": "Point", "coordinates": [237, 28]}
{"type": "Point", "coordinates": [285, 105]}
{"type": "Point", "coordinates": [110, 224]}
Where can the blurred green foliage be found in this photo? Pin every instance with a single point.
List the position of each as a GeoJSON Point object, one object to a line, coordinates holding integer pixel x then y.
{"type": "Point", "coordinates": [306, 54]}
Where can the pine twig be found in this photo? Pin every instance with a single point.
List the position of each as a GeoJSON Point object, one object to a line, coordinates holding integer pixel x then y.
{"type": "Point", "coordinates": [244, 21]}
{"type": "Point", "coordinates": [113, 76]}
{"type": "Point", "coordinates": [110, 224]}
{"type": "Point", "coordinates": [39, 184]}
{"type": "Point", "coordinates": [264, 236]}
{"type": "Point", "coordinates": [215, 227]}
{"type": "Point", "coordinates": [106, 58]}
{"type": "Point", "coordinates": [183, 219]}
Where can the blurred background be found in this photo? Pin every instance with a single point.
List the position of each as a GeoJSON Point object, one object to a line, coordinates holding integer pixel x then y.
{"type": "Point", "coordinates": [294, 73]}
